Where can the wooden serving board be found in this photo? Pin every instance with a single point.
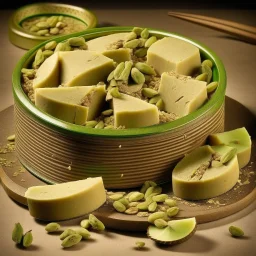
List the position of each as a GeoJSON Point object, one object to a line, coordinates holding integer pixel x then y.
{"type": "Point", "coordinates": [15, 179]}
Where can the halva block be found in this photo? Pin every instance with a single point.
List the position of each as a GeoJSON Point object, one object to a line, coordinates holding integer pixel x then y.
{"type": "Point", "coordinates": [238, 138]}
{"type": "Point", "coordinates": [174, 54]}
{"type": "Point", "coordinates": [194, 177]}
{"type": "Point", "coordinates": [132, 112]}
{"type": "Point", "coordinates": [82, 68]}
{"type": "Point", "coordinates": [47, 74]}
{"type": "Point", "coordinates": [181, 94]}
{"type": "Point", "coordinates": [71, 104]}
{"type": "Point", "coordinates": [65, 200]}
{"type": "Point", "coordinates": [111, 46]}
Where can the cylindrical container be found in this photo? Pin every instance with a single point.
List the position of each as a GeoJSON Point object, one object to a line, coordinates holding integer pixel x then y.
{"type": "Point", "coordinates": [80, 19]}
{"type": "Point", "coordinates": [56, 151]}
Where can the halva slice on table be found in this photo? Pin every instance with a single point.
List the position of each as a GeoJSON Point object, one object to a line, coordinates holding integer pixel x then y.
{"type": "Point", "coordinates": [196, 178]}
{"type": "Point", "coordinates": [238, 138]}
{"type": "Point", "coordinates": [176, 232]}
{"type": "Point", "coordinates": [66, 200]}
{"type": "Point", "coordinates": [47, 74]}
{"type": "Point", "coordinates": [71, 104]}
{"type": "Point", "coordinates": [82, 68]}
{"type": "Point", "coordinates": [132, 112]}
{"type": "Point", "coordinates": [181, 94]}
{"type": "Point", "coordinates": [173, 54]}
{"type": "Point", "coordinates": [111, 46]}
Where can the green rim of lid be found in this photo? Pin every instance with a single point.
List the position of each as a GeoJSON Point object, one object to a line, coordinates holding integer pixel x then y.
{"type": "Point", "coordinates": [23, 39]}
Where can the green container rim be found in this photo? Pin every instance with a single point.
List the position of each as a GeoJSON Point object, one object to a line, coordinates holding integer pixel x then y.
{"type": "Point", "coordinates": [217, 99]}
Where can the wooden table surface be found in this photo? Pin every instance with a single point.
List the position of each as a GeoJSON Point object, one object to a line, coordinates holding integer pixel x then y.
{"type": "Point", "coordinates": [211, 238]}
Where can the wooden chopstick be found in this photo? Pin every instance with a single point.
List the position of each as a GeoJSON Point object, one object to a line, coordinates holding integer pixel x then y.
{"type": "Point", "coordinates": [244, 32]}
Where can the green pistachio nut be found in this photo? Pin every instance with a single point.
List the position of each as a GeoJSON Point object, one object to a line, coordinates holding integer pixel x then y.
{"type": "Point", "coordinates": [202, 77]}
{"type": "Point", "coordinates": [71, 240]}
{"type": "Point", "coordinates": [212, 87]}
{"type": "Point", "coordinates": [145, 68]}
{"type": "Point", "coordinates": [136, 196]}
{"type": "Point", "coordinates": [207, 62]}
{"type": "Point", "coordinates": [84, 233]}
{"type": "Point", "coordinates": [126, 71]}
{"type": "Point", "coordinates": [52, 227]}
{"type": "Point", "coordinates": [42, 25]}
{"type": "Point", "coordinates": [152, 207]}
{"type": "Point", "coordinates": [85, 223]}
{"type": "Point", "coordinates": [144, 33]}
{"type": "Point", "coordinates": [67, 232]}
{"type": "Point", "coordinates": [160, 104]}
{"type": "Point", "coordinates": [141, 52]}
{"type": "Point", "coordinates": [27, 239]}
{"type": "Point", "coordinates": [160, 223]}
{"type": "Point", "coordinates": [137, 30]}
{"type": "Point", "coordinates": [137, 76]}
{"type": "Point", "coordinates": [51, 45]}
{"type": "Point", "coordinates": [170, 202]}
{"type": "Point", "coordinates": [96, 223]}
{"type": "Point", "coordinates": [149, 93]}
{"type": "Point", "coordinates": [119, 206]}
{"type": "Point", "coordinates": [118, 70]}
{"type": "Point", "coordinates": [236, 231]}
{"type": "Point", "coordinates": [116, 196]}
{"type": "Point", "coordinates": [76, 41]}
{"type": "Point", "coordinates": [47, 53]}
{"type": "Point", "coordinates": [54, 31]}
{"type": "Point", "coordinates": [114, 92]}
{"type": "Point", "coordinates": [155, 99]}
{"type": "Point", "coordinates": [62, 46]}
{"type": "Point", "coordinates": [132, 44]}
{"type": "Point", "coordinates": [39, 59]}
{"type": "Point", "coordinates": [99, 125]}
{"type": "Point", "coordinates": [173, 211]}
{"type": "Point", "coordinates": [156, 215]}
{"type": "Point", "coordinates": [17, 233]}
{"type": "Point", "coordinates": [91, 123]}
{"type": "Point", "coordinates": [132, 210]}
{"type": "Point", "coordinates": [206, 69]}
{"type": "Point", "coordinates": [150, 41]}
{"type": "Point", "coordinates": [52, 21]}
{"type": "Point", "coordinates": [160, 198]}
{"type": "Point", "coordinates": [132, 35]}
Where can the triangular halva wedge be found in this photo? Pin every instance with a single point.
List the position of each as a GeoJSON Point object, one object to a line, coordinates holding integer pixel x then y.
{"type": "Point", "coordinates": [181, 94]}
{"type": "Point", "coordinates": [48, 73]}
{"type": "Point", "coordinates": [82, 68]}
{"type": "Point", "coordinates": [132, 112]}
{"type": "Point", "coordinates": [108, 46]}
{"type": "Point", "coordinates": [71, 104]}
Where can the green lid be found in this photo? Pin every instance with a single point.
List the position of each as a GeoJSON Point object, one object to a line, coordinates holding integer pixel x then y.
{"type": "Point", "coordinates": [71, 19]}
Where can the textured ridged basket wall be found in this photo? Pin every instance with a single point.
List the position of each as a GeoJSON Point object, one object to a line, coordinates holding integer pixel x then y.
{"type": "Point", "coordinates": [56, 151]}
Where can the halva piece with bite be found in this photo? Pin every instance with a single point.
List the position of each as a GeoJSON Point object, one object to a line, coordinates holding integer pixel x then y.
{"type": "Point", "coordinates": [111, 46]}
{"type": "Point", "coordinates": [195, 177]}
{"type": "Point", "coordinates": [132, 112]}
{"type": "Point", "coordinates": [71, 104]}
{"type": "Point", "coordinates": [47, 74]}
{"type": "Point", "coordinates": [82, 68]}
{"type": "Point", "coordinates": [181, 94]}
{"type": "Point", "coordinates": [66, 200]}
{"type": "Point", "coordinates": [238, 138]}
{"type": "Point", "coordinates": [174, 54]}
